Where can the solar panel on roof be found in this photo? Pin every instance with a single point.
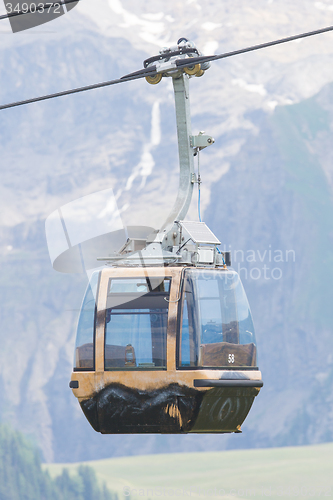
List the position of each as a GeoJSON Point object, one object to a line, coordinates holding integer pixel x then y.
{"type": "Point", "coordinates": [199, 232]}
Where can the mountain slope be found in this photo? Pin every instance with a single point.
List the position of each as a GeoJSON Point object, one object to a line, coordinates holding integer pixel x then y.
{"type": "Point", "coordinates": [266, 187]}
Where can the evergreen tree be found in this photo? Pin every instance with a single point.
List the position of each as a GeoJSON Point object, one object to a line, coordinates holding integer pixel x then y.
{"type": "Point", "coordinates": [22, 477]}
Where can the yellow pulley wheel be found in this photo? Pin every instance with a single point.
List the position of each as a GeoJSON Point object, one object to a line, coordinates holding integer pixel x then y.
{"type": "Point", "coordinates": [192, 70]}
{"type": "Point", "coordinates": [200, 73]}
{"type": "Point", "coordinates": [154, 80]}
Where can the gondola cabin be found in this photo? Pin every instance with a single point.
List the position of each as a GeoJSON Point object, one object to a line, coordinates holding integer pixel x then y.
{"type": "Point", "coordinates": [165, 339]}
{"type": "Point", "coordinates": [168, 350]}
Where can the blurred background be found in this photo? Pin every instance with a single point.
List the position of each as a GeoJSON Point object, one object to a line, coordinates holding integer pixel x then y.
{"type": "Point", "coordinates": [266, 194]}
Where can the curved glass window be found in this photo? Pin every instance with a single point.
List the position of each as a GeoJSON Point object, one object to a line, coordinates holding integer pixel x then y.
{"type": "Point", "coordinates": [136, 323]}
{"type": "Point", "coordinates": [216, 328]}
{"type": "Point", "coordinates": [84, 347]}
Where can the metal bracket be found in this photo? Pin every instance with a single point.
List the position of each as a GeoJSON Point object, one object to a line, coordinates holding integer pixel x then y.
{"type": "Point", "coordinates": [166, 66]}
{"type": "Point", "coordinates": [201, 141]}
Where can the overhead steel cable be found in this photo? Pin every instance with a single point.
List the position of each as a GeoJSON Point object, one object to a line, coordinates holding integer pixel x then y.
{"type": "Point", "coordinates": [127, 78]}
{"type": "Point", "coordinates": [47, 5]}
{"type": "Point", "coordinates": [153, 70]}
{"type": "Point", "coordinates": [201, 59]}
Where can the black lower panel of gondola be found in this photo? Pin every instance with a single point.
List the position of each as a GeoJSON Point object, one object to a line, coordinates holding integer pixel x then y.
{"type": "Point", "coordinates": [117, 409]}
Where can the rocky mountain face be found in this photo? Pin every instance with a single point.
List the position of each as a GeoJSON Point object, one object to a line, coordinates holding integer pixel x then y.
{"type": "Point", "coordinates": [280, 190]}
{"type": "Point", "coordinates": [266, 193]}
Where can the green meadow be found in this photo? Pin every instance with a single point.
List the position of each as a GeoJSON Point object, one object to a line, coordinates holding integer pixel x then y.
{"type": "Point", "coordinates": [290, 472]}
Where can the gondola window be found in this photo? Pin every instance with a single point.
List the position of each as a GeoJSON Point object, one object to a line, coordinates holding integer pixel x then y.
{"type": "Point", "coordinates": [136, 324]}
{"type": "Point", "coordinates": [216, 324]}
{"type": "Point", "coordinates": [84, 348]}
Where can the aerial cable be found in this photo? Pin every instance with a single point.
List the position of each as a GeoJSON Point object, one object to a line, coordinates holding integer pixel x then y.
{"type": "Point", "coordinates": [40, 5]}
{"type": "Point", "coordinates": [151, 70]}
{"type": "Point", "coordinates": [201, 59]}
{"type": "Point", "coordinates": [126, 78]}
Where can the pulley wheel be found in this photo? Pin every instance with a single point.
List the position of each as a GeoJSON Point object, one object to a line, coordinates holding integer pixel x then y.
{"type": "Point", "coordinates": [154, 80]}
{"type": "Point", "coordinates": [200, 73]}
{"type": "Point", "coordinates": [193, 70]}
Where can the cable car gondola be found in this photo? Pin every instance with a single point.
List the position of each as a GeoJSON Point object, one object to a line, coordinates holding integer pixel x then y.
{"type": "Point", "coordinates": [165, 340]}
{"type": "Point", "coordinates": [165, 351]}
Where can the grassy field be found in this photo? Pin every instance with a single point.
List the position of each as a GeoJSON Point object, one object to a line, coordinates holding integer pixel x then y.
{"type": "Point", "coordinates": [297, 472]}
